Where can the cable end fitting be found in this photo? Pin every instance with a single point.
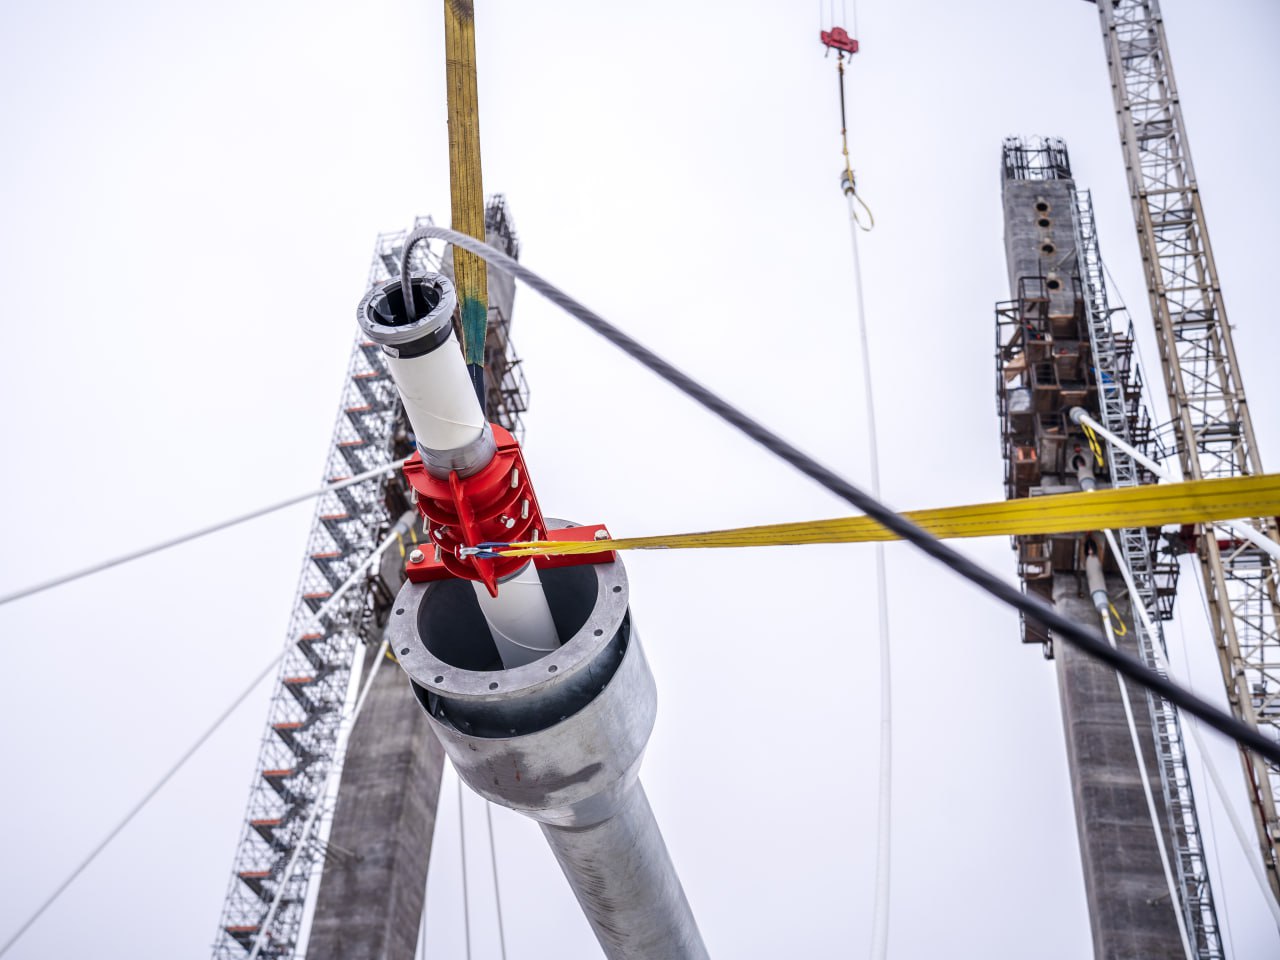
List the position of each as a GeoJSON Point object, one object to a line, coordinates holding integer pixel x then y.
{"type": "Point", "coordinates": [402, 334]}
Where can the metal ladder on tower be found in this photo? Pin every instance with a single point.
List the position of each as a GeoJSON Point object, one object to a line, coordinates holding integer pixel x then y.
{"type": "Point", "coordinates": [1118, 402]}
{"type": "Point", "coordinates": [1206, 397]}
{"type": "Point", "coordinates": [300, 746]}
{"type": "Point", "coordinates": [300, 751]}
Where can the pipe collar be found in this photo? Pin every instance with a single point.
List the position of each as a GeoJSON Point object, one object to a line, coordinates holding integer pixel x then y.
{"type": "Point", "coordinates": [559, 739]}
{"type": "Point", "coordinates": [384, 320]}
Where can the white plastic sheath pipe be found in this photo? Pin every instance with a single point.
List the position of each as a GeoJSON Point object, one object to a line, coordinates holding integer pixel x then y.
{"type": "Point", "coordinates": [441, 404]}
{"type": "Point", "coordinates": [1098, 593]}
{"type": "Point", "coordinates": [519, 618]}
{"type": "Point", "coordinates": [1242, 528]}
{"type": "Point", "coordinates": [1244, 838]}
{"type": "Point", "coordinates": [439, 398]}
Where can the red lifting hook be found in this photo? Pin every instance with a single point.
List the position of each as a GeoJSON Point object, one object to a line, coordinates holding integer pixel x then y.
{"type": "Point", "coordinates": [838, 39]}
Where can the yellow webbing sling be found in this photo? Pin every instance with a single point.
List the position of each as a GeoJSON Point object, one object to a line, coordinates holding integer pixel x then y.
{"type": "Point", "coordinates": [1197, 501]}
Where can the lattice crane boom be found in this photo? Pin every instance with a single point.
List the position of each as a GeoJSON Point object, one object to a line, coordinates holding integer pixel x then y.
{"type": "Point", "coordinates": [1212, 425]}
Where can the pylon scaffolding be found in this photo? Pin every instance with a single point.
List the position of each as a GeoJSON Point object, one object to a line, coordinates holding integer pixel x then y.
{"type": "Point", "coordinates": [1211, 419]}
{"type": "Point", "coordinates": [300, 743]}
{"type": "Point", "coordinates": [1139, 553]}
{"type": "Point", "coordinates": [1049, 360]}
{"type": "Point", "coordinates": [277, 856]}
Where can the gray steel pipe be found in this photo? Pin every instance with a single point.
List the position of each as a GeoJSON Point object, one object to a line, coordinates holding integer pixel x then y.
{"type": "Point", "coordinates": [623, 877]}
{"type": "Point", "coordinates": [559, 740]}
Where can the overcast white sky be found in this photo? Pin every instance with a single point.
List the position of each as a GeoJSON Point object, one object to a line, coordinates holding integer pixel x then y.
{"type": "Point", "coordinates": [189, 197]}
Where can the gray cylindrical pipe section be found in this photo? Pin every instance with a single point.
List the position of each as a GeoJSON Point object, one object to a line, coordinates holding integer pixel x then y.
{"type": "Point", "coordinates": [560, 740]}
{"type": "Point", "coordinates": [623, 877]}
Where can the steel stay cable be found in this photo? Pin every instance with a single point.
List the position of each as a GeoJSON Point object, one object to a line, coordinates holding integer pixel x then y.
{"type": "Point", "coordinates": [200, 741]}
{"type": "Point", "coordinates": [1088, 641]}
{"type": "Point", "coordinates": [138, 807]}
{"type": "Point", "coordinates": [497, 893]}
{"type": "Point", "coordinates": [195, 534]}
{"type": "Point", "coordinates": [462, 840]}
{"type": "Point", "coordinates": [181, 762]}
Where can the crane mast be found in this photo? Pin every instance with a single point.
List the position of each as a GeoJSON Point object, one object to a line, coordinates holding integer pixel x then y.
{"type": "Point", "coordinates": [1211, 420]}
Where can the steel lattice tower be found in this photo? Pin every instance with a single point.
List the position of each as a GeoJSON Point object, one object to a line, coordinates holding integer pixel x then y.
{"type": "Point", "coordinates": [1211, 420]}
{"type": "Point", "coordinates": [276, 852]}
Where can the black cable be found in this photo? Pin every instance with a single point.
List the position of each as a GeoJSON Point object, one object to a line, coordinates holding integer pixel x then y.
{"type": "Point", "coordinates": [843, 125]}
{"type": "Point", "coordinates": [1087, 641]}
{"type": "Point", "coordinates": [406, 288]}
{"type": "Point", "coordinates": [476, 372]}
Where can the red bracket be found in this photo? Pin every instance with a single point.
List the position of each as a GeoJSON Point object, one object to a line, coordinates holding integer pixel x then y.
{"type": "Point", "coordinates": [429, 569]}
{"type": "Point", "coordinates": [496, 505]}
{"type": "Point", "coordinates": [838, 39]}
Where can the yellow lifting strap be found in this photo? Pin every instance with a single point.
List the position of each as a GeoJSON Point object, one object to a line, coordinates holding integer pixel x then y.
{"type": "Point", "coordinates": [1196, 501]}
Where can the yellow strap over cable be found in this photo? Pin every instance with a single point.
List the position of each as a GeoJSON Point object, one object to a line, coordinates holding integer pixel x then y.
{"type": "Point", "coordinates": [1196, 501]}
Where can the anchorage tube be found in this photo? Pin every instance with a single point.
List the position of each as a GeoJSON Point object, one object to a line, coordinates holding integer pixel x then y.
{"type": "Point", "coordinates": [1245, 840]}
{"type": "Point", "coordinates": [1241, 528]}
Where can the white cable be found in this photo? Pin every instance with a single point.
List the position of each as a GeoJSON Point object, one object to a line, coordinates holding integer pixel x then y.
{"type": "Point", "coordinates": [884, 803]}
{"type": "Point", "coordinates": [1136, 603]}
{"type": "Point", "coordinates": [137, 808]}
{"type": "Point", "coordinates": [466, 898]}
{"type": "Point", "coordinates": [1223, 904]}
{"type": "Point", "coordinates": [194, 534]}
{"type": "Point", "coordinates": [1241, 528]}
{"type": "Point", "coordinates": [1175, 901]}
{"type": "Point", "coordinates": [1246, 842]}
{"type": "Point", "coordinates": [199, 742]}
{"type": "Point", "coordinates": [322, 611]}
{"type": "Point", "coordinates": [305, 835]}
{"type": "Point", "coordinates": [497, 895]}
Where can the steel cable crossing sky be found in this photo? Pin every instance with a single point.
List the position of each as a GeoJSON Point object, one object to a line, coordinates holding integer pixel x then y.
{"type": "Point", "coordinates": [1089, 641]}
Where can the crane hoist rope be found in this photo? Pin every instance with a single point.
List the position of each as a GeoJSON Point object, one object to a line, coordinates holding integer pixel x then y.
{"type": "Point", "coordinates": [849, 182]}
{"type": "Point", "coordinates": [837, 39]}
